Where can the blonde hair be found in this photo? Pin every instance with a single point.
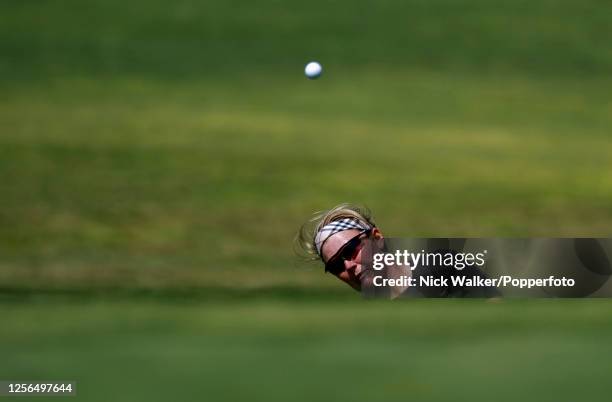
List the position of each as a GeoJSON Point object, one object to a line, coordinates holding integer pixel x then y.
{"type": "Point", "coordinates": [304, 242]}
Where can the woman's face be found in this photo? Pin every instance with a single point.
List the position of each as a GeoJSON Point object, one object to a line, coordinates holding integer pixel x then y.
{"type": "Point", "coordinates": [350, 269]}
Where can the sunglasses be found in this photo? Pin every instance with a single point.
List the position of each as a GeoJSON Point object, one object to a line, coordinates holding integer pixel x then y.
{"type": "Point", "coordinates": [335, 265]}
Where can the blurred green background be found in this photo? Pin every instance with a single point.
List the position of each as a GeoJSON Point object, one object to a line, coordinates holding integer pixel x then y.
{"type": "Point", "coordinates": [157, 158]}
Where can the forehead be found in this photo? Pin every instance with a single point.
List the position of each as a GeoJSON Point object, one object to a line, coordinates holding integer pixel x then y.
{"type": "Point", "coordinates": [336, 241]}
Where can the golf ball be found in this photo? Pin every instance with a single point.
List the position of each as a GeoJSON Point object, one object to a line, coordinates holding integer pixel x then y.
{"type": "Point", "coordinates": [313, 70]}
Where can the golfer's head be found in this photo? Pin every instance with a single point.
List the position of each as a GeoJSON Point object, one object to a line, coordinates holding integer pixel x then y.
{"type": "Point", "coordinates": [337, 237]}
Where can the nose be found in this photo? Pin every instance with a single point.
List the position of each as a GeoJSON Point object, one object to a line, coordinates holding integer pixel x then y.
{"type": "Point", "coordinates": [350, 265]}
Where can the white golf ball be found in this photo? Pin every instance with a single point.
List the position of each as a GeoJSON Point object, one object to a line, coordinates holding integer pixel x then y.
{"type": "Point", "coordinates": [313, 70]}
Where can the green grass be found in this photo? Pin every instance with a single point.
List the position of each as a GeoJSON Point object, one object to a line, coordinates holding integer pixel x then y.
{"type": "Point", "coordinates": [190, 39]}
{"type": "Point", "coordinates": [160, 349]}
{"type": "Point", "coordinates": [156, 159]}
{"type": "Point", "coordinates": [161, 145]}
{"type": "Point", "coordinates": [124, 180]}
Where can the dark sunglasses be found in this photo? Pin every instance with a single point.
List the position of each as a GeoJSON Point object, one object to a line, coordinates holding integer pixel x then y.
{"type": "Point", "coordinates": [335, 265]}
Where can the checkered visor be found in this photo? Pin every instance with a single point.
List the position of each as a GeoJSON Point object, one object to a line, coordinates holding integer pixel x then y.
{"type": "Point", "coordinates": [338, 226]}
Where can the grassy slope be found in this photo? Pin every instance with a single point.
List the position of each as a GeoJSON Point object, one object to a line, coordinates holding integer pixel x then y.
{"type": "Point", "coordinates": [164, 145]}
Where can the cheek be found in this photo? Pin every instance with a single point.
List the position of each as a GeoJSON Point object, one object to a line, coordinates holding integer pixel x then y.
{"type": "Point", "coordinates": [343, 276]}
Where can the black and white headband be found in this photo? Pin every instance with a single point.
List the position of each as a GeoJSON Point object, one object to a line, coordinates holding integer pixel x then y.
{"type": "Point", "coordinates": [338, 226]}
